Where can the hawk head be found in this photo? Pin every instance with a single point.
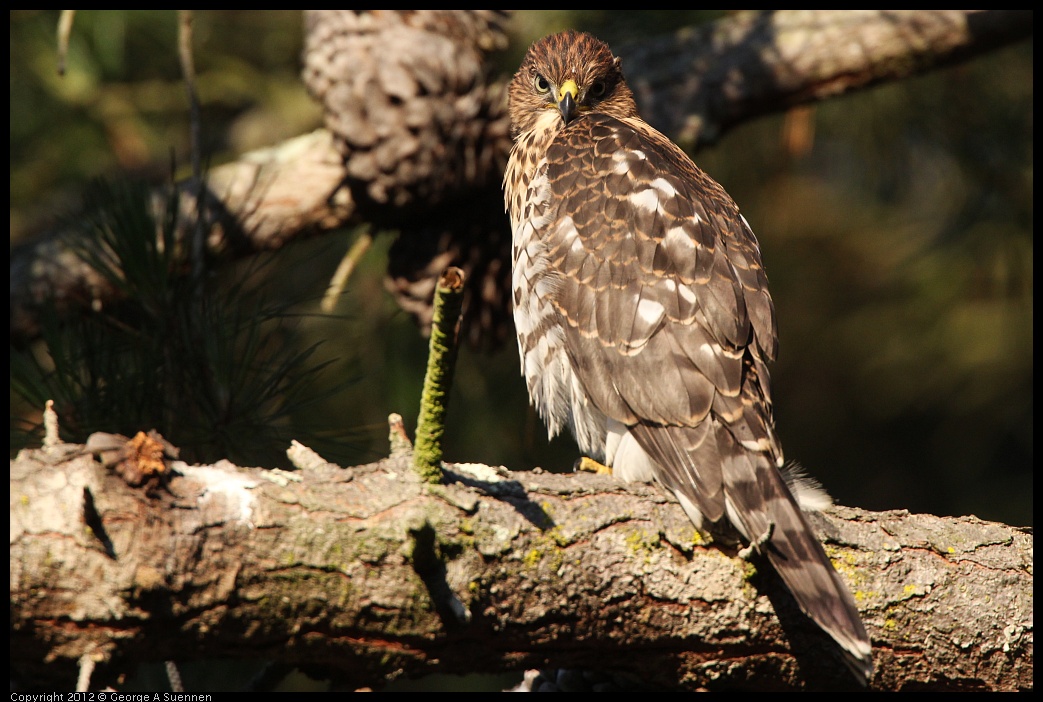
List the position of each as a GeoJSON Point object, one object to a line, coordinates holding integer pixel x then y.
{"type": "Point", "coordinates": [571, 74]}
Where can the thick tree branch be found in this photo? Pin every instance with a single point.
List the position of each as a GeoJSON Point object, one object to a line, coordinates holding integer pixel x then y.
{"type": "Point", "coordinates": [364, 572]}
{"type": "Point", "coordinates": [694, 86]}
{"type": "Point", "coordinates": [699, 83]}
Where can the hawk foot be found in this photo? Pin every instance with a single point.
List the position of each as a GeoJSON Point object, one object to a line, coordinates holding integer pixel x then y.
{"type": "Point", "coordinates": [589, 465]}
{"type": "Point", "coordinates": [755, 545]}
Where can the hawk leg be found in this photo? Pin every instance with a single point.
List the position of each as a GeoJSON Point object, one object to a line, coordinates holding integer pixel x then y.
{"type": "Point", "coordinates": [589, 465]}
{"type": "Point", "coordinates": [755, 545]}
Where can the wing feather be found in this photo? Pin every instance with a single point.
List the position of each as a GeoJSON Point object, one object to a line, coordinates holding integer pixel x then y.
{"type": "Point", "coordinates": [662, 276]}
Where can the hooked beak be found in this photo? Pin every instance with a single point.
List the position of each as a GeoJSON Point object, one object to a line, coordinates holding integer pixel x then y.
{"type": "Point", "coordinates": [567, 100]}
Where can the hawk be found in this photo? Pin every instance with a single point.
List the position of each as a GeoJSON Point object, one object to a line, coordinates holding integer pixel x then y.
{"type": "Point", "coordinates": [643, 316]}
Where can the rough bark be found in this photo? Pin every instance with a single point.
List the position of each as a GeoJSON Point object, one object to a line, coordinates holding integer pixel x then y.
{"type": "Point", "coordinates": [694, 86]}
{"type": "Point", "coordinates": [697, 84]}
{"type": "Point", "coordinates": [365, 573]}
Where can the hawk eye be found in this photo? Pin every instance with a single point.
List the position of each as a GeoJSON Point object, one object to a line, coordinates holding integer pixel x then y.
{"type": "Point", "coordinates": [597, 88]}
{"type": "Point", "coordinates": [542, 86]}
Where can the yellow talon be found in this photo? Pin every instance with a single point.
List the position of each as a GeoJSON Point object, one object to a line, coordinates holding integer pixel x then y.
{"type": "Point", "coordinates": [589, 465]}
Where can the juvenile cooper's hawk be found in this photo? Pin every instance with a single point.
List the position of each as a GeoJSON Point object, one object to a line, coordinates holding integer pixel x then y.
{"type": "Point", "coordinates": [643, 316]}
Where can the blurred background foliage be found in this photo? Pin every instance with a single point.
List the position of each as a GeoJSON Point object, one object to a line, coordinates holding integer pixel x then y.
{"type": "Point", "coordinates": [895, 224]}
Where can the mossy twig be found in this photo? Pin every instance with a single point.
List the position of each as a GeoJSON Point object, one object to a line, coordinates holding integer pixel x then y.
{"type": "Point", "coordinates": [427, 452]}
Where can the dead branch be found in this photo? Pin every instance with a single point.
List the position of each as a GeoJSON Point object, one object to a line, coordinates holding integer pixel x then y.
{"type": "Point", "coordinates": [365, 573]}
